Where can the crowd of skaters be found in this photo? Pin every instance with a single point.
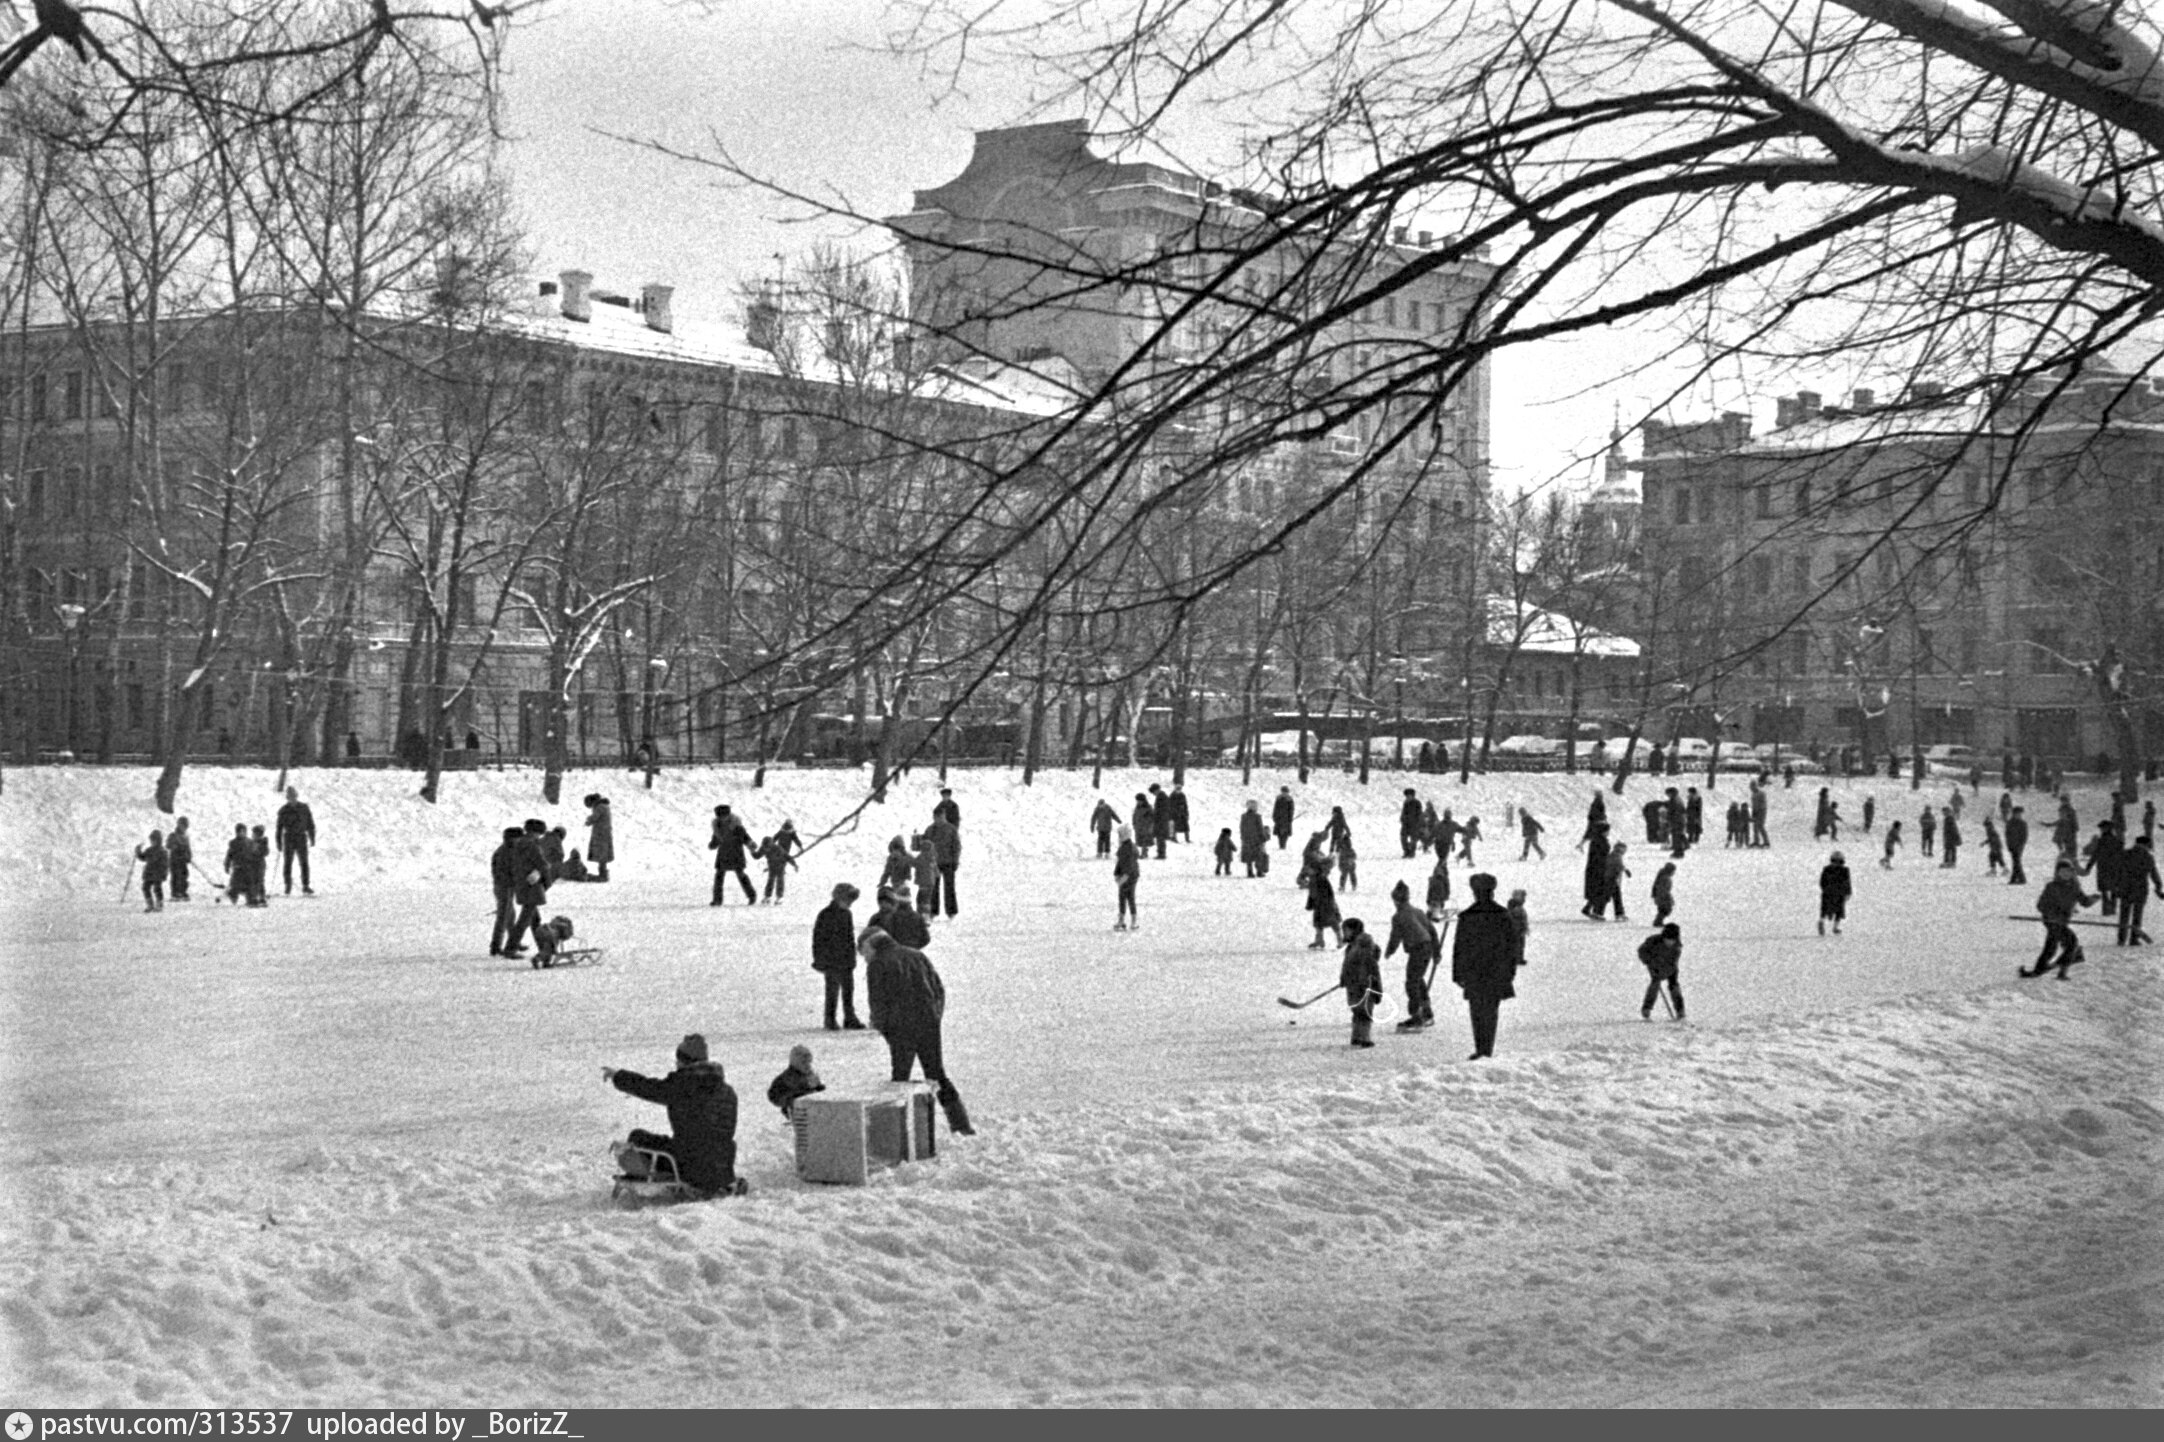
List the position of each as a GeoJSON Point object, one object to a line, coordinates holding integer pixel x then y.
{"type": "Point", "coordinates": [168, 860]}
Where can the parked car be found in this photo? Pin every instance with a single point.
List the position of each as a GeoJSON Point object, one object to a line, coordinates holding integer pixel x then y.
{"type": "Point", "coordinates": [1528, 746]}
{"type": "Point", "coordinates": [1690, 750]}
{"type": "Point", "coordinates": [1949, 760]}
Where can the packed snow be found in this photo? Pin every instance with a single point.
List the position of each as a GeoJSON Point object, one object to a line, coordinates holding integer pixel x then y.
{"type": "Point", "coordinates": [331, 1153]}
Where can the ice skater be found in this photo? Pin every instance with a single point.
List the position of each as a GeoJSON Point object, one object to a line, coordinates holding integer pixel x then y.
{"type": "Point", "coordinates": [1126, 873]}
{"type": "Point", "coordinates": [1664, 892]}
{"type": "Point", "coordinates": [1414, 934]}
{"type": "Point", "coordinates": [1322, 902]}
{"type": "Point", "coordinates": [1893, 844]}
{"type": "Point", "coordinates": [1482, 964]}
{"type": "Point", "coordinates": [1361, 974]}
{"type": "Point", "coordinates": [157, 861]}
{"type": "Point", "coordinates": [1662, 956]}
{"type": "Point", "coordinates": [2055, 907]}
{"type": "Point", "coordinates": [1834, 890]}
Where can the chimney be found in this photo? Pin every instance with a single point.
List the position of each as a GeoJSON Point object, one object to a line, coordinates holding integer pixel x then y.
{"type": "Point", "coordinates": [1398, 233]}
{"type": "Point", "coordinates": [1864, 400]}
{"type": "Point", "coordinates": [763, 320]}
{"type": "Point", "coordinates": [1784, 412]}
{"type": "Point", "coordinates": [1927, 390]}
{"type": "Point", "coordinates": [1427, 238]}
{"type": "Point", "coordinates": [578, 299]}
{"type": "Point", "coordinates": [654, 301]}
{"type": "Point", "coordinates": [1806, 404]}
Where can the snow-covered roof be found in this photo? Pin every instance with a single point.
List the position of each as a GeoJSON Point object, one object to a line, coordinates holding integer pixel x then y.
{"type": "Point", "coordinates": [1542, 631]}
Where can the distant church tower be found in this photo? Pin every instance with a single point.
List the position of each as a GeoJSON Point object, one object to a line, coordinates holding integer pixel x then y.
{"type": "Point", "coordinates": [1611, 512]}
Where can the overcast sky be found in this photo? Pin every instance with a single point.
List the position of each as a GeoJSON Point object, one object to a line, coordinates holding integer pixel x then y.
{"type": "Point", "coordinates": [807, 91]}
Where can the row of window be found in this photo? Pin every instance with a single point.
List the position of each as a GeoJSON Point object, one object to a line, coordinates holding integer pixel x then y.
{"type": "Point", "coordinates": [2052, 484]}
{"type": "Point", "coordinates": [74, 395]}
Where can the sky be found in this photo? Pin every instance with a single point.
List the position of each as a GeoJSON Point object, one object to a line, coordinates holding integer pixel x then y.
{"type": "Point", "coordinates": [812, 96]}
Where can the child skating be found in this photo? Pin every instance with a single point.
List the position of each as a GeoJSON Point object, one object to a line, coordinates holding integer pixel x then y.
{"type": "Point", "coordinates": [1893, 844]}
{"type": "Point", "coordinates": [1361, 974]}
{"type": "Point", "coordinates": [1225, 850]}
{"type": "Point", "coordinates": [1126, 872]}
{"type": "Point", "coordinates": [1834, 890]}
{"type": "Point", "coordinates": [1664, 892]}
{"type": "Point", "coordinates": [156, 863]}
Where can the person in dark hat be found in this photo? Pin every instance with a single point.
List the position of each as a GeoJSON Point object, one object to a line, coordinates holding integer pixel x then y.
{"type": "Point", "coordinates": [1483, 962]}
{"type": "Point", "coordinates": [1361, 974]}
{"type": "Point", "coordinates": [702, 1117]}
{"type": "Point", "coordinates": [946, 810]}
{"type": "Point", "coordinates": [1411, 931]}
{"type": "Point", "coordinates": [834, 956]}
{"type": "Point", "coordinates": [796, 1080]}
{"type": "Point", "coordinates": [731, 845]}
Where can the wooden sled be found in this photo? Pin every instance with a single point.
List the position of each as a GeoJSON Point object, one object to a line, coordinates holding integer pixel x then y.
{"type": "Point", "coordinates": [648, 1178]}
{"type": "Point", "coordinates": [564, 956]}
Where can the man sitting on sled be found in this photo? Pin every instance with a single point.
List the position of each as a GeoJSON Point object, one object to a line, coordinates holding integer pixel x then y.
{"type": "Point", "coordinates": [702, 1117]}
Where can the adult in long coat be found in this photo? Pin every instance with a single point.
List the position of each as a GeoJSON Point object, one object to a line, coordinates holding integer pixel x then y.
{"type": "Point", "coordinates": [908, 1005]}
{"type": "Point", "coordinates": [1145, 821]}
{"type": "Point", "coordinates": [731, 845]}
{"type": "Point", "coordinates": [1482, 962]}
{"type": "Point", "coordinates": [834, 956]}
{"type": "Point", "coordinates": [1254, 838]}
{"type": "Point", "coordinates": [530, 878]}
{"type": "Point", "coordinates": [1160, 818]}
{"type": "Point", "coordinates": [600, 836]}
{"type": "Point", "coordinates": [702, 1116]}
{"type": "Point", "coordinates": [1412, 824]}
{"type": "Point", "coordinates": [946, 839]}
{"type": "Point", "coordinates": [1281, 816]}
{"type": "Point", "coordinates": [1596, 868]}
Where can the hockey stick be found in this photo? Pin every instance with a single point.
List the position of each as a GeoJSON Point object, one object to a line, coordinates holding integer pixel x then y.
{"type": "Point", "coordinates": [1670, 1005]}
{"type": "Point", "coordinates": [2074, 921]}
{"type": "Point", "coordinates": [129, 884]}
{"type": "Point", "coordinates": [1318, 996]}
{"type": "Point", "coordinates": [1440, 937]}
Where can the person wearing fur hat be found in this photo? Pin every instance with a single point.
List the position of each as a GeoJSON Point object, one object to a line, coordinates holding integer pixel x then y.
{"type": "Point", "coordinates": [702, 1117]}
{"type": "Point", "coordinates": [1361, 974]}
{"type": "Point", "coordinates": [908, 1004]}
{"type": "Point", "coordinates": [1126, 871]}
{"type": "Point", "coordinates": [796, 1080]}
{"type": "Point", "coordinates": [1482, 962]}
{"type": "Point", "coordinates": [600, 835]}
{"type": "Point", "coordinates": [1834, 890]}
{"type": "Point", "coordinates": [156, 862]}
{"type": "Point", "coordinates": [834, 956]}
{"type": "Point", "coordinates": [1281, 816]}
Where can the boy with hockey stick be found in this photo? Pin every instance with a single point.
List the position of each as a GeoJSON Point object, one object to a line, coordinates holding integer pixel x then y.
{"type": "Point", "coordinates": [1662, 956]}
{"type": "Point", "coordinates": [1411, 930]}
{"type": "Point", "coordinates": [2055, 907]}
{"type": "Point", "coordinates": [156, 862]}
{"type": "Point", "coordinates": [1361, 974]}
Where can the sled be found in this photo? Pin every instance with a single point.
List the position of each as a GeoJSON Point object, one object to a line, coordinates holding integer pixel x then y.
{"type": "Point", "coordinates": [565, 956]}
{"type": "Point", "coordinates": [648, 1178]}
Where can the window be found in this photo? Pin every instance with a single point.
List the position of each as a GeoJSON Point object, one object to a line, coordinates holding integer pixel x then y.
{"type": "Point", "coordinates": [34, 496]}
{"type": "Point", "coordinates": [37, 398]}
{"type": "Point", "coordinates": [71, 396]}
{"type": "Point", "coordinates": [71, 493]}
{"type": "Point", "coordinates": [1682, 505]}
{"type": "Point", "coordinates": [1761, 575]}
{"type": "Point", "coordinates": [1803, 498]}
{"type": "Point", "coordinates": [1803, 573]}
{"type": "Point", "coordinates": [105, 502]}
{"type": "Point", "coordinates": [1765, 502]}
{"type": "Point", "coordinates": [138, 712]}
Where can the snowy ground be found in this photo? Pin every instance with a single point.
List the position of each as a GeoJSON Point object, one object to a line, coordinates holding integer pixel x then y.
{"type": "Point", "coordinates": [332, 1153]}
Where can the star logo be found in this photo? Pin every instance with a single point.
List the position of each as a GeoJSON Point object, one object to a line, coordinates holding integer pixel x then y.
{"type": "Point", "coordinates": [18, 1426]}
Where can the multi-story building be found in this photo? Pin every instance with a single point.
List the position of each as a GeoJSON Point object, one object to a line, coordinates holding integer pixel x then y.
{"type": "Point", "coordinates": [1982, 570]}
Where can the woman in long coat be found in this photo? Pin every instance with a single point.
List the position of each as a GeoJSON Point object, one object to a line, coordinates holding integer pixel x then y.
{"type": "Point", "coordinates": [1254, 839]}
{"type": "Point", "coordinates": [1322, 900]}
{"type": "Point", "coordinates": [600, 836]}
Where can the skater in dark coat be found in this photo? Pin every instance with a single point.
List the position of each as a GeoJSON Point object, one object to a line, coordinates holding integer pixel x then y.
{"type": "Point", "coordinates": [239, 861]}
{"type": "Point", "coordinates": [946, 839]}
{"type": "Point", "coordinates": [702, 1116]}
{"type": "Point", "coordinates": [1664, 892]}
{"type": "Point", "coordinates": [1662, 955]}
{"type": "Point", "coordinates": [834, 957]}
{"type": "Point", "coordinates": [1414, 934]}
{"type": "Point", "coordinates": [2056, 906]}
{"type": "Point", "coordinates": [1994, 849]}
{"type": "Point", "coordinates": [1870, 813]}
{"type": "Point", "coordinates": [1361, 974]}
{"type": "Point", "coordinates": [2137, 882]}
{"type": "Point", "coordinates": [296, 833]}
{"type": "Point", "coordinates": [779, 853]}
{"type": "Point", "coordinates": [904, 922]}
{"type": "Point", "coordinates": [1612, 886]}
{"type": "Point", "coordinates": [1596, 871]}
{"type": "Point", "coordinates": [1160, 818]}
{"type": "Point", "coordinates": [600, 835]}
{"type": "Point", "coordinates": [1143, 821]}
{"type": "Point", "coordinates": [1529, 832]}
{"type": "Point", "coordinates": [530, 884]}
{"type": "Point", "coordinates": [1126, 875]}
{"type": "Point", "coordinates": [180, 857]}
{"type": "Point", "coordinates": [1893, 844]}
{"type": "Point", "coordinates": [1949, 838]}
{"type": "Point", "coordinates": [1254, 840]}
{"type": "Point", "coordinates": [926, 874]}
{"type": "Point", "coordinates": [1322, 901]}
{"type": "Point", "coordinates": [2017, 841]}
{"type": "Point", "coordinates": [1482, 964]}
{"type": "Point", "coordinates": [731, 845]}
{"type": "Point", "coordinates": [1102, 822]}
{"type": "Point", "coordinates": [946, 810]}
{"type": "Point", "coordinates": [1834, 889]}
{"type": "Point", "coordinates": [794, 1081]}
{"type": "Point", "coordinates": [156, 863]}
{"type": "Point", "coordinates": [1181, 818]}
{"type": "Point", "coordinates": [1694, 815]}
{"type": "Point", "coordinates": [1281, 816]}
{"type": "Point", "coordinates": [503, 879]}
{"type": "Point", "coordinates": [1411, 818]}
{"type": "Point", "coordinates": [2101, 857]}
{"type": "Point", "coordinates": [1439, 885]}
{"type": "Point", "coordinates": [259, 871]}
{"type": "Point", "coordinates": [1225, 850]}
{"type": "Point", "coordinates": [909, 1005]}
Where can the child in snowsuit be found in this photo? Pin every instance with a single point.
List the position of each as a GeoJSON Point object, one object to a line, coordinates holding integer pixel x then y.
{"type": "Point", "coordinates": [1225, 850]}
{"type": "Point", "coordinates": [1893, 844]}
{"type": "Point", "coordinates": [2055, 906]}
{"type": "Point", "coordinates": [1834, 889]}
{"type": "Point", "coordinates": [1614, 881]}
{"type": "Point", "coordinates": [1994, 850]}
{"type": "Point", "coordinates": [1664, 892]}
{"type": "Point", "coordinates": [1521, 926]}
{"type": "Point", "coordinates": [778, 852]}
{"type": "Point", "coordinates": [259, 869]}
{"type": "Point", "coordinates": [1662, 956]}
{"type": "Point", "coordinates": [155, 865]}
{"type": "Point", "coordinates": [549, 938]}
{"type": "Point", "coordinates": [796, 1080]}
{"type": "Point", "coordinates": [1439, 884]}
{"type": "Point", "coordinates": [1361, 974]}
{"type": "Point", "coordinates": [1126, 871]}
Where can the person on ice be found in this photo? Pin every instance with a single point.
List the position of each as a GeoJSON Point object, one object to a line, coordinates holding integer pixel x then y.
{"type": "Point", "coordinates": [1949, 838]}
{"type": "Point", "coordinates": [1126, 874]}
{"type": "Point", "coordinates": [1834, 890]}
{"type": "Point", "coordinates": [1529, 832]}
{"type": "Point", "coordinates": [259, 869]}
{"type": "Point", "coordinates": [1225, 850]}
{"type": "Point", "coordinates": [926, 872]}
{"type": "Point", "coordinates": [2055, 906]}
{"type": "Point", "coordinates": [549, 938]}
{"type": "Point", "coordinates": [1662, 955]}
{"type": "Point", "coordinates": [1613, 882]}
{"type": "Point", "coordinates": [1521, 927]}
{"type": "Point", "coordinates": [1467, 835]}
{"type": "Point", "coordinates": [1281, 816]}
{"type": "Point", "coordinates": [1414, 934]}
{"type": "Point", "coordinates": [899, 868]}
{"type": "Point", "coordinates": [1411, 822]}
{"type": "Point", "coordinates": [179, 856]}
{"type": "Point", "coordinates": [156, 862]}
{"type": "Point", "coordinates": [1322, 901]}
{"type": "Point", "coordinates": [1254, 841]}
{"type": "Point", "coordinates": [1994, 850]}
{"type": "Point", "coordinates": [1361, 974]}
{"type": "Point", "coordinates": [600, 835]}
{"type": "Point", "coordinates": [702, 1118]}
{"type": "Point", "coordinates": [779, 853]}
{"type": "Point", "coordinates": [2017, 841]}
{"type": "Point", "coordinates": [2138, 881]}
{"type": "Point", "coordinates": [1482, 963]}
{"type": "Point", "coordinates": [795, 1080]}
{"type": "Point", "coordinates": [834, 957]}
{"type": "Point", "coordinates": [1439, 885]}
{"type": "Point", "coordinates": [1893, 844]}
{"type": "Point", "coordinates": [1102, 821]}
{"type": "Point", "coordinates": [908, 1001]}
{"type": "Point", "coordinates": [1927, 832]}
{"type": "Point", "coordinates": [1348, 864]}
{"type": "Point", "coordinates": [1664, 892]}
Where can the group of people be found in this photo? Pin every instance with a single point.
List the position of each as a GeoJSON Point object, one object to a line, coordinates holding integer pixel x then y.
{"type": "Point", "coordinates": [1485, 957]}
{"type": "Point", "coordinates": [168, 861]}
